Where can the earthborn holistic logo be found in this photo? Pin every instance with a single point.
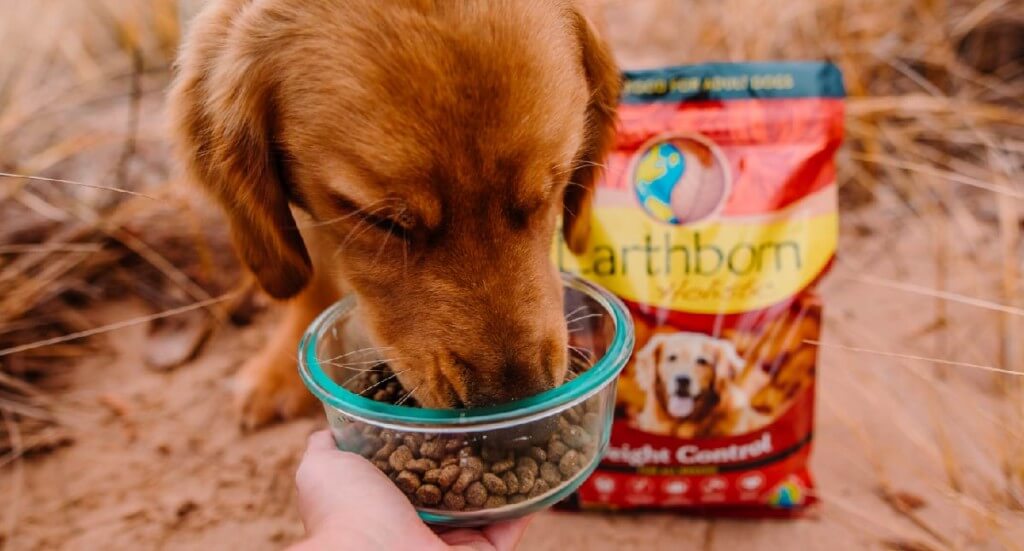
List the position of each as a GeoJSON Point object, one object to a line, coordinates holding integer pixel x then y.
{"type": "Point", "coordinates": [695, 245]}
{"type": "Point", "coordinates": [680, 179]}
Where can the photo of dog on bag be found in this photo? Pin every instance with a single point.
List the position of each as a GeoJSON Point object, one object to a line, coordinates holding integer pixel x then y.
{"type": "Point", "coordinates": [693, 384]}
{"type": "Point", "coordinates": [688, 384]}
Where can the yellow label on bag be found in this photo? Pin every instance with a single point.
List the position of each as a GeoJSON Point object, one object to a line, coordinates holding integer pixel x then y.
{"type": "Point", "coordinates": [716, 268]}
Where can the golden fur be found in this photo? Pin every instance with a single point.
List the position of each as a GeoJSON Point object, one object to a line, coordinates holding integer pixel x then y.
{"type": "Point", "coordinates": [416, 153]}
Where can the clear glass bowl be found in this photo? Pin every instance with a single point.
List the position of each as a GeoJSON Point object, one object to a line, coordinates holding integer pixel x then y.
{"type": "Point", "coordinates": [558, 435]}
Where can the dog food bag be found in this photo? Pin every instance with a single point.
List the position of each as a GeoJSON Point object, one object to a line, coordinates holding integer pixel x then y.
{"type": "Point", "coordinates": [715, 218]}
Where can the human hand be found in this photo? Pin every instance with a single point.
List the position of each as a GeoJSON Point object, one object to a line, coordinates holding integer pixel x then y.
{"type": "Point", "coordinates": [346, 503]}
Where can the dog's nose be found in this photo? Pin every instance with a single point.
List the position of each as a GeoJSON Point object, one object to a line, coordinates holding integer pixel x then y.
{"type": "Point", "coordinates": [507, 382]}
{"type": "Point", "coordinates": [519, 380]}
{"type": "Point", "coordinates": [683, 386]}
{"type": "Point", "coordinates": [521, 368]}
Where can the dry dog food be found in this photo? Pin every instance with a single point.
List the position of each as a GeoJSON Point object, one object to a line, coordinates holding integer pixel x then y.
{"type": "Point", "coordinates": [453, 474]}
{"type": "Point", "coordinates": [715, 219]}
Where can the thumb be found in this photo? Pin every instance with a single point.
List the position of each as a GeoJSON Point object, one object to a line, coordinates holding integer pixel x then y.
{"type": "Point", "coordinates": [332, 482]}
{"type": "Point", "coordinates": [320, 441]}
{"type": "Point", "coordinates": [341, 491]}
{"type": "Point", "coordinates": [498, 537]}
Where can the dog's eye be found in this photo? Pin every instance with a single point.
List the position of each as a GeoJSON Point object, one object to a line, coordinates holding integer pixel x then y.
{"type": "Point", "coordinates": [521, 210]}
{"type": "Point", "coordinates": [703, 361]}
{"type": "Point", "coordinates": [399, 224]}
{"type": "Point", "coordinates": [518, 217]}
{"type": "Point", "coordinates": [672, 357]}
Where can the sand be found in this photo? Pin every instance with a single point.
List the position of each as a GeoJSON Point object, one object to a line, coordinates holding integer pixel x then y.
{"type": "Point", "coordinates": [908, 454]}
{"type": "Point", "coordinates": [158, 460]}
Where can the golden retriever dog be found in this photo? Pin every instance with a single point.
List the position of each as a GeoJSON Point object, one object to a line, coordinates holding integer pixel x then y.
{"type": "Point", "coordinates": [692, 388]}
{"type": "Point", "coordinates": [416, 153]}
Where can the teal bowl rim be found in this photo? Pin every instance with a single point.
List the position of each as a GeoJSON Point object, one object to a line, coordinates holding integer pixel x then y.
{"type": "Point", "coordinates": [590, 382]}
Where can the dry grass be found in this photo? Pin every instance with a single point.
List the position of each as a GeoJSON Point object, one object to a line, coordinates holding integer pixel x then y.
{"type": "Point", "coordinates": [80, 96]}
{"type": "Point", "coordinates": [932, 168]}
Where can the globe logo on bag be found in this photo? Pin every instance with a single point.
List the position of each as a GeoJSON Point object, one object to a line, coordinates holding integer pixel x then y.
{"type": "Point", "coordinates": [680, 179]}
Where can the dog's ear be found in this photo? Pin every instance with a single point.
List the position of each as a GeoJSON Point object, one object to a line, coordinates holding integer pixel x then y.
{"type": "Point", "coordinates": [603, 83]}
{"type": "Point", "coordinates": [728, 363]}
{"type": "Point", "coordinates": [223, 116]}
{"type": "Point", "coordinates": [647, 362]}
{"type": "Point", "coordinates": [732, 357]}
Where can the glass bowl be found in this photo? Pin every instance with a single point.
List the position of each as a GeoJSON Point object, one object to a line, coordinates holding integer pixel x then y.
{"type": "Point", "coordinates": [470, 467]}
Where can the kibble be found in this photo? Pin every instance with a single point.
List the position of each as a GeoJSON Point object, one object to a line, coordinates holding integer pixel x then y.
{"type": "Point", "coordinates": [495, 501]}
{"type": "Point", "coordinates": [400, 457]}
{"type": "Point", "coordinates": [407, 481]}
{"type": "Point", "coordinates": [420, 465]}
{"type": "Point", "coordinates": [570, 463]}
{"type": "Point", "coordinates": [575, 437]}
{"type": "Point", "coordinates": [466, 477]}
{"type": "Point", "coordinates": [529, 464]}
{"type": "Point", "coordinates": [526, 479]}
{"type": "Point", "coordinates": [494, 484]}
{"type": "Point", "coordinates": [499, 467]}
{"type": "Point", "coordinates": [476, 494]}
{"type": "Point", "coordinates": [428, 494]}
{"type": "Point", "coordinates": [556, 448]}
{"type": "Point", "coordinates": [432, 476]}
{"type": "Point", "coordinates": [511, 482]}
{"type": "Point", "coordinates": [433, 449]}
{"type": "Point", "coordinates": [538, 454]}
{"type": "Point", "coordinates": [449, 474]}
{"type": "Point", "coordinates": [459, 474]}
{"type": "Point", "coordinates": [539, 488]}
{"type": "Point", "coordinates": [385, 451]}
{"type": "Point", "coordinates": [413, 441]}
{"type": "Point", "coordinates": [550, 473]}
{"type": "Point", "coordinates": [471, 462]}
{"type": "Point", "coordinates": [454, 501]}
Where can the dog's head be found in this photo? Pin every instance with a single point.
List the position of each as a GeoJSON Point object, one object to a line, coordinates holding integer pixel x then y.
{"type": "Point", "coordinates": [686, 372]}
{"type": "Point", "coordinates": [434, 144]}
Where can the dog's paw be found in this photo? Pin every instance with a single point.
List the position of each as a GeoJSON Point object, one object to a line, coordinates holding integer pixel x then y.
{"type": "Point", "coordinates": [269, 389]}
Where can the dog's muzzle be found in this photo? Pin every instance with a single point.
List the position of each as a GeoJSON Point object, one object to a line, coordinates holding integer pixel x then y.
{"type": "Point", "coordinates": [680, 402]}
{"type": "Point", "coordinates": [682, 386]}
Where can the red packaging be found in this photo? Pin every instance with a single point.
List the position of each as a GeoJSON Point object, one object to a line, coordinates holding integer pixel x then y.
{"type": "Point", "coordinates": [716, 217]}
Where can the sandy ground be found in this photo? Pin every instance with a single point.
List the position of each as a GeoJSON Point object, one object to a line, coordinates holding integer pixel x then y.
{"type": "Point", "coordinates": [158, 461]}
